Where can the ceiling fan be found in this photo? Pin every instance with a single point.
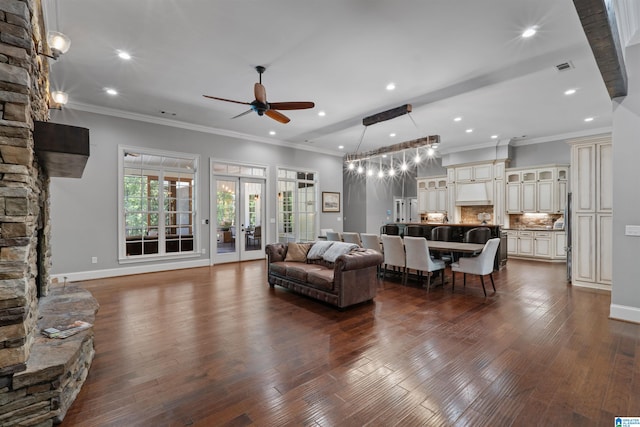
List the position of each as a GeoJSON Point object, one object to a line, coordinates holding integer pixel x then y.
{"type": "Point", "coordinates": [262, 107]}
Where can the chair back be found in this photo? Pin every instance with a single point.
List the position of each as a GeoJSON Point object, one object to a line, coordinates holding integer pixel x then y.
{"type": "Point", "coordinates": [371, 241]}
{"type": "Point", "coordinates": [478, 235]}
{"type": "Point", "coordinates": [442, 234]}
{"type": "Point", "coordinates": [352, 238]}
{"type": "Point", "coordinates": [390, 229]}
{"type": "Point", "coordinates": [487, 256]}
{"type": "Point", "coordinates": [323, 231]}
{"type": "Point", "coordinates": [257, 232]}
{"type": "Point", "coordinates": [333, 236]}
{"type": "Point", "coordinates": [393, 250]}
{"type": "Point", "coordinates": [418, 256]}
{"type": "Point", "coordinates": [415, 231]}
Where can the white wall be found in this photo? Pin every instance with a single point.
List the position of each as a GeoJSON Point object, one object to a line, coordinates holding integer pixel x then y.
{"type": "Point", "coordinates": [625, 293]}
{"type": "Point", "coordinates": [84, 211]}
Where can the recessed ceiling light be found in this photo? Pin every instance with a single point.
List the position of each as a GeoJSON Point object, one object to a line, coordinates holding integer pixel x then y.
{"type": "Point", "coordinates": [469, 130]}
{"type": "Point", "coordinates": [392, 135]}
{"type": "Point", "coordinates": [494, 136]}
{"type": "Point", "coordinates": [340, 147]}
{"type": "Point", "coordinates": [457, 119]}
{"type": "Point", "coordinates": [124, 55]}
{"type": "Point", "coordinates": [322, 113]}
{"type": "Point", "coordinates": [272, 132]}
{"type": "Point", "coordinates": [111, 91]}
{"type": "Point", "coordinates": [588, 119]}
{"type": "Point", "coordinates": [391, 86]}
{"type": "Point", "coordinates": [529, 32]}
{"type": "Point", "coordinates": [569, 91]}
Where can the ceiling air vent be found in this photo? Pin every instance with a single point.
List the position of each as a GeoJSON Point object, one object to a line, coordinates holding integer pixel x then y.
{"type": "Point", "coordinates": [565, 66]}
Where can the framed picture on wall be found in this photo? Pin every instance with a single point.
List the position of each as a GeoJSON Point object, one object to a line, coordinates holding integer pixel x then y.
{"type": "Point", "coordinates": [330, 202]}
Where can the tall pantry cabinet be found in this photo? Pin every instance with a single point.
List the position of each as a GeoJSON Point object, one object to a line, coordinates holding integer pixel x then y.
{"type": "Point", "coordinates": [592, 211]}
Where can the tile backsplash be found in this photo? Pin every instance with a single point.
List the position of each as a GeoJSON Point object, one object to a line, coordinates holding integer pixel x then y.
{"type": "Point", "coordinates": [469, 214]}
{"type": "Point", "coordinates": [533, 220]}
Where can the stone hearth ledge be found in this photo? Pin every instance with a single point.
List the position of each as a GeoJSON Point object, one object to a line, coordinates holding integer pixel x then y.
{"type": "Point", "coordinates": [56, 368]}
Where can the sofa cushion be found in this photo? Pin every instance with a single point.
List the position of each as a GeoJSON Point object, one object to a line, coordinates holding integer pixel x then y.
{"type": "Point", "coordinates": [337, 249]}
{"type": "Point", "coordinates": [297, 251]}
{"type": "Point", "coordinates": [280, 267]}
{"type": "Point", "coordinates": [321, 279]}
{"type": "Point", "coordinates": [319, 248]}
{"type": "Point", "coordinates": [299, 271]}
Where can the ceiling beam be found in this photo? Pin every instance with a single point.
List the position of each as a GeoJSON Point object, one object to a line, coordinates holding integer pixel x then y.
{"type": "Point", "coordinates": [598, 20]}
{"type": "Point", "coordinates": [387, 115]}
{"type": "Point", "coordinates": [414, 143]}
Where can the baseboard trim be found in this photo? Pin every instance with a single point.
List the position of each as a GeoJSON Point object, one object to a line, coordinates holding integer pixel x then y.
{"type": "Point", "coordinates": [126, 271]}
{"type": "Point", "coordinates": [591, 285]}
{"type": "Point", "coordinates": [623, 312]}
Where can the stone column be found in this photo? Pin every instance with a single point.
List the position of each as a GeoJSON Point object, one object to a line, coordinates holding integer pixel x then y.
{"type": "Point", "coordinates": [23, 186]}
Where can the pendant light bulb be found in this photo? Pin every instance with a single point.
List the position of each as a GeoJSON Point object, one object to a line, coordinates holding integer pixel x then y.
{"type": "Point", "coordinates": [351, 166]}
{"type": "Point", "coordinates": [360, 168]}
{"type": "Point", "coordinates": [417, 158]}
{"type": "Point", "coordinates": [392, 171]}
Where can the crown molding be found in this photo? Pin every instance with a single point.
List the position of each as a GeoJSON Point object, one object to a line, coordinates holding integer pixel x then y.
{"type": "Point", "coordinates": [194, 127]}
{"type": "Point", "coordinates": [562, 136]}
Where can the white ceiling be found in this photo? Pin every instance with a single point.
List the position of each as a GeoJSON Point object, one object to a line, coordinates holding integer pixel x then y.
{"type": "Point", "coordinates": [448, 58]}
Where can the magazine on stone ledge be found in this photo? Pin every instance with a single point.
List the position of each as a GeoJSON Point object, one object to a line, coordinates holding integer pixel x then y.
{"type": "Point", "coordinates": [66, 331]}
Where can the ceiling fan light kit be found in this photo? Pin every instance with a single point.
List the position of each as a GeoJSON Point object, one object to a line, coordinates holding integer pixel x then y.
{"type": "Point", "coordinates": [264, 108]}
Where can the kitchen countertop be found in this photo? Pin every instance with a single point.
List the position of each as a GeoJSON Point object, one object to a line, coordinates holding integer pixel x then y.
{"type": "Point", "coordinates": [533, 229]}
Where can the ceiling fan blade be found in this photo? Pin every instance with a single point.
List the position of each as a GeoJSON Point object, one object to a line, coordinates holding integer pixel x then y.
{"type": "Point", "coordinates": [260, 92]}
{"type": "Point", "coordinates": [242, 114]}
{"type": "Point", "coordinates": [277, 116]}
{"type": "Point", "coordinates": [228, 100]}
{"type": "Point", "coordinates": [291, 105]}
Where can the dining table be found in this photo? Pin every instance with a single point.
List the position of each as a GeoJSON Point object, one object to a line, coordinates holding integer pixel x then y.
{"type": "Point", "coordinates": [468, 248]}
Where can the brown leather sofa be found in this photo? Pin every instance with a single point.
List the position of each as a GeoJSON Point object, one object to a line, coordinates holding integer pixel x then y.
{"type": "Point", "coordinates": [349, 280]}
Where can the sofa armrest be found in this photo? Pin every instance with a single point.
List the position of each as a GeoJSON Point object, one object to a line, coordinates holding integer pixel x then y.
{"type": "Point", "coordinates": [357, 259]}
{"type": "Point", "coordinates": [276, 252]}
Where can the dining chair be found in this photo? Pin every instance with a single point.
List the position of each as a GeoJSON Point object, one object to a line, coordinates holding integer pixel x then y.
{"type": "Point", "coordinates": [393, 253]}
{"type": "Point", "coordinates": [415, 231]}
{"type": "Point", "coordinates": [419, 259]}
{"type": "Point", "coordinates": [372, 241]}
{"type": "Point", "coordinates": [350, 237]}
{"type": "Point", "coordinates": [334, 236]}
{"type": "Point", "coordinates": [443, 233]}
{"type": "Point", "coordinates": [390, 230]}
{"type": "Point", "coordinates": [480, 265]}
{"type": "Point", "coordinates": [477, 235]}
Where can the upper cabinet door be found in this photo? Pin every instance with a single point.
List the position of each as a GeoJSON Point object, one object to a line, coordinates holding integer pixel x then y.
{"type": "Point", "coordinates": [583, 164]}
{"type": "Point", "coordinates": [604, 180]}
{"type": "Point", "coordinates": [483, 172]}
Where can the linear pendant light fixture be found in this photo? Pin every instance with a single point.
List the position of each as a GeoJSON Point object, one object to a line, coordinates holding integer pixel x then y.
{"type": "Point", "coordinates": [430, 142]}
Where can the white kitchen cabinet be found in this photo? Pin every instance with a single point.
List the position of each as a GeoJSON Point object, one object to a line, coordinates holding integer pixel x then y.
{"type": "Point", "coordinates": [432, 194]}
{"type": "Point", "coordinates": [536, 244]}
{"type": "Point", "coordinates": [542, 244]}
{"type": "Point", "coordinates": [592, 227]}
{"type": "Point", "coordinates": [536, 190]}
{"type": "Point", "coordinates": [525, 243]}
{"type": "Point", "coordinates": [559, 245]}
{"type": "Point", "coordinates": [474, 173]}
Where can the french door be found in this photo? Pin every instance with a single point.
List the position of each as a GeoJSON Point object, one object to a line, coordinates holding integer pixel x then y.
{"type": "Point", "coordinates": [239, 224]}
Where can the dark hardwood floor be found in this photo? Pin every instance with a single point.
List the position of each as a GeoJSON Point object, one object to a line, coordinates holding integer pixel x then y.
{"type": "Point", "coordinates": [218, 347]}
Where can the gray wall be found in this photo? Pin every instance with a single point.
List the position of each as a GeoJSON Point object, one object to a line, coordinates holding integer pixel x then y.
{"type": "Point", "coordinates": [626, 194]}
{"type": "Point", "coordinates": [84, 211]}
{"type": "Point", "coordinates": [355, 202]}
{"type": "Point", "coordinates": [547, 153]}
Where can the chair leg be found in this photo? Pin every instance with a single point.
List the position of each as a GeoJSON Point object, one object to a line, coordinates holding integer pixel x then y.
{"type": "Point", "coordinates": [453, 280]}
{"type": "Point", "coordinates": [464, 280]}
{"type": "Point", "coordinates": [384, 272]}
{"type": "Point", "coordinates": [492, 284]}
{"type": "Point", "coordinates": [483, 289]}
{"type": "Point", "coordinates": [443, 270]}
{"type": "Point", "coordinates": [428, 281]}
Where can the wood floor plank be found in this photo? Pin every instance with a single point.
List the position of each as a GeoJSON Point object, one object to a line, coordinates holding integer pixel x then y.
{"type": "Point", "coordinates": [217, 346]}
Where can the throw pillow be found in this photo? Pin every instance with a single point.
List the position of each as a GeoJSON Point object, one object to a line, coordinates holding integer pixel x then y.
{"type": "Point", "coordinates": [319, 248]}
{"type": "Point", "coordinates": [337, 249]}
{"type": "Point", "coordinates": [297, 252]}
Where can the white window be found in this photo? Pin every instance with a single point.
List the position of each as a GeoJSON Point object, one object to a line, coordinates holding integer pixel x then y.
{"type": "Point", "coordinates": [156, 204]}
{"type": "Point", "coordinates": [297, 205]}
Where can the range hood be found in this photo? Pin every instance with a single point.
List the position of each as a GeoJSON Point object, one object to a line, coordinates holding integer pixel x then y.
{"type": "Point", "coordinates": [472, 194]}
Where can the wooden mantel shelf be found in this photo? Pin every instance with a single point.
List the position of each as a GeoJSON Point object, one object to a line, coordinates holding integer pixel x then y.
{"type": "Point", "coordinates": [63, 150]}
